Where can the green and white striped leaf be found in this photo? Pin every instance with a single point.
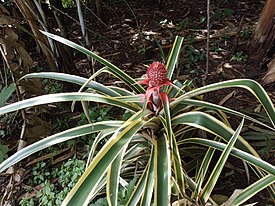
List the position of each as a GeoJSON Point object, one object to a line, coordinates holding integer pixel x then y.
{"type": "Point", "coordinates": [86, 185]}
{"type": "Point", "coordinates": [99, 137]}
{"type": "Point", "coordinates": [210, 124]}
{"type": "Point", "coordinates": [200, 177]}
{"type": "Point", "coordinates": [212, 180]}
{"type": "Point", "coordinates": [162, 170]}
{"type": "Point", "coordinates": [136, 194]}
{"type": "Point", "coordinates": [199, 103]}
{"type": "Point", "coordinates": [167, 118]}
{"type": "Point", "coordinates": [253, 189]}
{"type": "Point", "coordinates": [113, 176]}
{"type": "Point", "coordinates": [144, 186]}
{"type": "Point", "coordinates": [251, 159]}
{"type": "Point", "coordinates": [112, 68]}
{"type": "Point", "coordinates": [100, 88]}
{"type": "Point", "coordinates": [173, 57]}
{"type": "Point", "coordinates": [149, 184]}
{"type": "Point", "coordinates": [254, 87]}
{"type": "Point", "coordinates": [133, 98]}
{"type": "Point", "coordinates": [135, 152]}
{"type": "Point", "coordinates": [121, 91]}
{"type": "Point", "coordinates": [175, 156]}
{"type": "Point", "coordinates": [177, 167]}
{"type": "Point", "coordinates": [65, 97]}
{"type": "Point", "coordinates": [58, 138]}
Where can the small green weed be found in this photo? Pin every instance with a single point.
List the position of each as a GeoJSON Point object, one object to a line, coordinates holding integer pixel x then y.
{"type": "Point", "coordinates": [239, 57]}
{"type": "Point", "coordinates": [142, 50]}
{"type": "Point", "coordinates": [222, 14]}
{"type": "Point", "coordinates": [246, 33]}
{"type": "Point", "coordinates": [193, 56]}
{"type": "Point", "coordinates": [47, 195]}
{"type": "Point", "coordinates": [225, 37]}
{"type": "Point", "coordinates": [97, 113]}
{"type": "Point", "coordinates": [70, 172]}
{"type": "Point", "coordinates": [183, 24]}
{"type": "Point", "coordinates": [217, 47]}
{"type": "Point", "coordinates": [3, 151]}
{"type": "Point", "coordinates": [52, 87]}
{"type": "Point", "coordinates": [40, 173]}
{"type": "Point", "coordinates": [202, 19]}
{"type": "Point", "coordinates": [25, 201]}
{"type": "Point", "coordinates": [60, 124]}
{"type": "Point", "coordinates": [5, 93]}
{"type": "Point", "coordinates": [37, 69]}
{"type": "Point", "coordinates": [68, 3]}
{"type": "Point", "coordinates": [53, 193]}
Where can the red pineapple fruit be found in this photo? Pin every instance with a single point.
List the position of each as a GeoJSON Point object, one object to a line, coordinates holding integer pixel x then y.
{"type": "Point", "coordinates": [156, 74]}
{"type": "Point", "coordinates": [156, 78]}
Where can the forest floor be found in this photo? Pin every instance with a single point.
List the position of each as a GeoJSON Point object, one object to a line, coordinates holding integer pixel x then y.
{"type": "Point", "coordinates": [133, 34]}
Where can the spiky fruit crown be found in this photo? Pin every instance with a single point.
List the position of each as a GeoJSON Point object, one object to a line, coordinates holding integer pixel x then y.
{"type": "Point", "coordinates": [156, 74]}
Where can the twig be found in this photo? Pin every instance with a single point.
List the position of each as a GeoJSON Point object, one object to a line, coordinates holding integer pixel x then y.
{"type": "Point", "coordinates": [139, 30]}
{"type": "Point", "coordinates": [241, 24]}
{"type": "Point", "coordinates": [99, 19]}
{"type": "Point", "coordinates": [70, 17]}
{"type": "Point", "coordinates": [207, 43]}
{"type": "Point", "coordinates": [2, 77]}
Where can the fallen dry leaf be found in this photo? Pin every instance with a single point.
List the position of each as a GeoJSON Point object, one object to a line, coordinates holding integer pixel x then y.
{"type": "Point", "coordinates": [233, 197]}
{"type": "Point", "coordinates": [270, 75]}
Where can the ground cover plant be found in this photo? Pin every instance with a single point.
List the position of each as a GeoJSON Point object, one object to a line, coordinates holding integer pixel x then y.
{"type": "Point", "coordinates": [169, 143]}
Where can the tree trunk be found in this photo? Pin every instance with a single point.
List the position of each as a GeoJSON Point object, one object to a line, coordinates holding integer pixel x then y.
{"type": "Point", "coordinates": [98, 4]}
{"type": "Point", "coordinates": [263, 44]}
{"type": "Point", "coordinates": [65, 58]}
{"type": "Point", "coordinates": [264, 35]}
{"type": "Point", "coordinates": [24, 7]}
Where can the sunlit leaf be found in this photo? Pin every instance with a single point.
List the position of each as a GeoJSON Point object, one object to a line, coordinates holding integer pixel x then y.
{"type": "Point", "coordinates": [213, 178]}
{"type": "Point", "coordinates": [253, 189]}
{"type": "Point", "coordinates": [86, 185]}
{"type": "Point", "coordinates": [58, 138]}
{"type": "Point", "coordinates": [254, 87]}
{"type": "Point", "coordinates": [64, 97]}
{"type": "Point", "coordinates": [115, 70]}
{"type": "Point", "coordinates": [162, 170]}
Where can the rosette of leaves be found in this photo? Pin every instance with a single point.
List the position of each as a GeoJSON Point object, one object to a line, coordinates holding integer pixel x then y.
{"type": "Point", "coordinates": [159, 144]}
